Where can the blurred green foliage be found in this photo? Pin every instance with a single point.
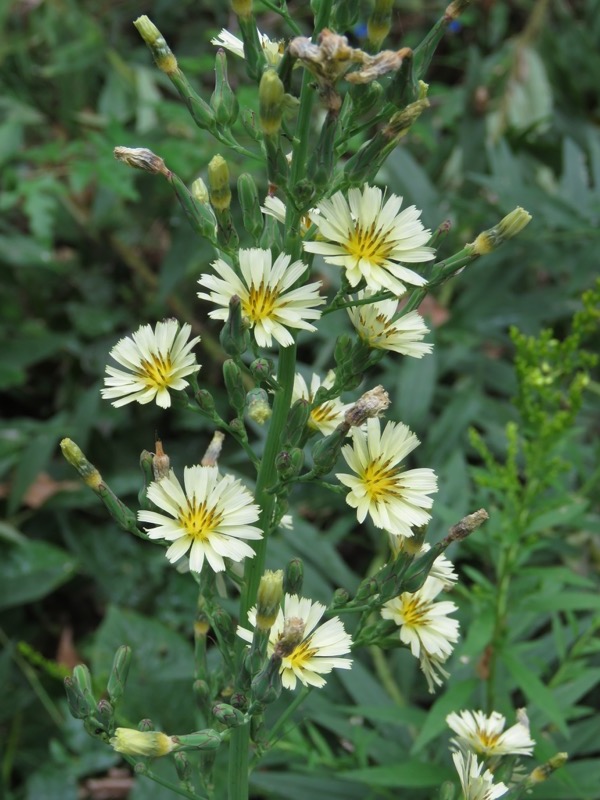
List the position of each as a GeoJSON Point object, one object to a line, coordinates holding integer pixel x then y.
{"type": "Point", "coordinates": [89, 250]}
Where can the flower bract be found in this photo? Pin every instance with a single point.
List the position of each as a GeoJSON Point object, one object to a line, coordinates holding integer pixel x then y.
{"type": "Point", "coordinates": [269, 304]}
{"type": "Point", "coordinates": [155, 362]}
{"type": "Point", "coordinates": [371, 238]}
{"type": "Point", "coordinates": [316, 649]}
{"type": "Point", "coordinates": [396, 499]}
{"type": "Point", "coordinates": [209, 517]}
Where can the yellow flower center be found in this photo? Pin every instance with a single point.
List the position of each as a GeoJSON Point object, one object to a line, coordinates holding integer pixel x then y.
{"type": "Point", "coordinates": [157, 372]}
{"type": "Point", "coordinates": [370, 244]}
{"type": "Point", "coordinates": [414, 610]}
{"type": "Point", "coordinates": [487, 740]}
{"type": "Point", "coordinates": [301, 655]}
{"type": "Point", "coordinates": [260, 303]}
{"type": "Point", "coordinates": [380, 480]}
{"type": "Point", "coordinates": [199, 521]}
{"type": "Point", "coordinates": [323, 413]}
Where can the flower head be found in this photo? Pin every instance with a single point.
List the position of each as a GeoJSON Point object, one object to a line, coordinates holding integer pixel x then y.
{"type": "Point", "coordinates": [425, 627]}
{"type": "Point", "coordinates": [308, 650]}
{"type": "Point", "coordinates": [269, 303]}
{"type": "Point", "coordinates": [486, 735]}
{"type": "Point", "coordinates": [272, 49]}
{"type": "Point", "coordinates": [151, 744]}
{"type": "Point", "coordinates": [396, 499]}
{"type": "Point", "coordinates": [476, 786]}
{"type": "Point", "coordinates": [326, 416]}
{"type": "Point", "coordinates": [209, 518]}
{"type": "Point", "coordinates": [157, 361]}
{"type": "Point", "coordinates": [376, 326]}
{"type": "Point", "coordinates": [371, 239]}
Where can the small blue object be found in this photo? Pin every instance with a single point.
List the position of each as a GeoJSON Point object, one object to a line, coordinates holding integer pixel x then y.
{"type": "Point", "coordinates": [360, 30]}
{"type": "Point", "coordinates": [455, 26]}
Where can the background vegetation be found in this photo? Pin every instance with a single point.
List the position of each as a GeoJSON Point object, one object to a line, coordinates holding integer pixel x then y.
{"type": "Point", "coordinates": [90, 250]}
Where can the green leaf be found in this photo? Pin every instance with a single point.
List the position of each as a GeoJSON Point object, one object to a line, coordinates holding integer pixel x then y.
{"type": "Point", "coordinates": [457, 696]}
{"type": "Point", "coordinates": [535, 691]}
{"type": "Point", "coordinates": [31, 570]}
{"type": "Point", "coordinates": [408, 775]}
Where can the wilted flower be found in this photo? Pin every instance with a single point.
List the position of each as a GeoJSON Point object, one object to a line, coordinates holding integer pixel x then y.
{"type": "Point", "coordinates": [272, 49]}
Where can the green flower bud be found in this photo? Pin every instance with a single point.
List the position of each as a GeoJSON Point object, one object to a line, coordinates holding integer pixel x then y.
{"type": "Point", "coordinates": [239, 429]}
{"type": "Point", "coordinates": [119, 673]}
{"type": "Point", "coordinates": [205, 401]}
{"type": "Point", "coordinates": [78, 705]}
{"type": "Point", "coordinates": [447, 791]}
{"type": "Point", "coordinates": [266, 686]}
{"type": "Point", "coordinates": [235, 386]}
{"type": "Point", "coordinates": [234, 335]}
{"type": "Point", "coordinates": [342, 352]}
{"type": "Point", "coordinates": [271, 101]}
{"type": "Point", "coordinates": [199, 215]}
{"type": "Point", "coordinates": [268, 600]}
{"type": "Point", "coordinates": [241, 8]}
{"type": "Point", "coordinates": [83, 681]}
{"type": "Point", "coordinates": [326, 451]}
{"type": "Point", "coordinates": [182, 766]}
{"type": "Point", "coordinates": [250, 203]}
{"type": "Point", "coordinates": [218, 182]}
{"type": "Point", "coordinates": [295, 425]}
{"type": "Point", "coordinates": [289, 463]}
{"type": "Point", "coordinates": [248, 118]}
{"type": "Point", "coordinates": [225, 626]}
{"type": "Point", "coordinates": [105, 714]}
{"type": "Point", "coordinates": [257, 406]}
{"type": "Point", "coordinates": [340, 598]}
{"type": "Point", "coordinates": [366, 589]}
{"type": "Point", "coordinates": [164, 58]}
{"type": "Point", "coordinates": [208, 739]}
{"type": "Point", "coordinates": [145, 725]}
{"type": "Point", "coordinates": [202, 694]}
{"type": "Point", "coordinates": [294, 577]}
{"type": "Point", "coordinates": [147, 475]}
{"type": "Point", "coordinates": [223, 101]}
{"type": "Point", "coordinates": [509, 226]}
{"type": "Point", "coordinates": [261, 369]}
{"type": "Point", "coordinates": [228, 715]}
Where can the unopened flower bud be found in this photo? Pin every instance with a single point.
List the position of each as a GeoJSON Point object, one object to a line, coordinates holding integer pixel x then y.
{"type": "Point", "coordinates": [105, 713]}
{"type": "Point", "coordinates": [202, 693]}
{"type": "Point", "coordinates": [378, 24]}
{"type": "Point", "coordinates": [218, 182]}
{"type": "Point", "coordinates": [268, 600]}
{"type": "Point", "coordinates": [234, 335]}
{"type": "Point", "coordinates": [242, 8]}
{"type": "Point", "coordinates": [141, 158]}
{"type": "Point", "coordinates": [234, 385]}
{"type": "Point", "coordinates": [544, 771]}
{"type": "Point", "coordinates": [250, 203]}
{"type": "Point", "coordinates": [148, 744]}
{"type": "Point", "coordinates": [83, 681]}
{"type": "Point", "coordinates": [271, 100]}
{"type": "Point", "coordinates": [228, 715]}
{"type": "Point", "coordinates": [371, 404]}
{"type": "Point", "coordinates": [200, 191]}
{"type": "Point", "coordinates": [294, 576]}
{"type": "Point", "coordinates": [223, 623]}
{"type": "Point", "coordinates": [145, 725]}
{"type": "Point", "coordinates": [163, 56]}
{"type": "Point", "coordinates": [257, 406]}
{"type": "Point", "coordinates": [76, 458]}
{"type": "Point", "coordinates": [205, 401]}
{"type": "Point", "coordinates": [509, 226]}
{"type": "Point", "coordinates": [183, 766]}
{"type": "Point", "coordinates": [223, 101]}
{"type": "Point", "coordinates": [289, 463]}
{"type": "Point", "coordinates": [208, 739]}
{"type": "Point", "coordinates": [297, 420]}
{"type": "Point", "coordinates": [261, 369]}
{"type": "Point", "coordinates": [326, 451]}
{"type": "Point", "coordinates": [340, 598]}
{"type": "Point", "coordinates": [78, 705]}
{"type": "Point", "coordinates": [266, 686]}
{"type": "Point", "coordinates": [119, 673]}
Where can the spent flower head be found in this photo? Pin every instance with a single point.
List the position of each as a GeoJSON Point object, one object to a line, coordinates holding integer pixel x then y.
{"type": "Point", "coordinates": [308, 650]}
{"type": "Point", "coordinates": [371, 238]}
{"type": "Point", "coordinates": [425, 627]}
{"type": "Point", "coordinates": [269, 303]}
{"type": "Point", "coordinates": [485, 734]}
{"type": "Point", "coordinates": [149, 744]}
{"type": "Point", "coordinates": [376, 326]}
{"type": "Point", "coordinates": [396, 499]}
{"type": "Point", "coordinates": [209, 516]}
{"type": "Point", "coordinates": [157, 361]}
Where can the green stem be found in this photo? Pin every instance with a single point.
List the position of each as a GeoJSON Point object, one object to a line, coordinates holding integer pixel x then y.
{"type": "Point", "coordinates": [147, 773]}
{"type": "Point", "coordinates": [296, 703]}
{"type": "Point", "coordinates": [283, 13]}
